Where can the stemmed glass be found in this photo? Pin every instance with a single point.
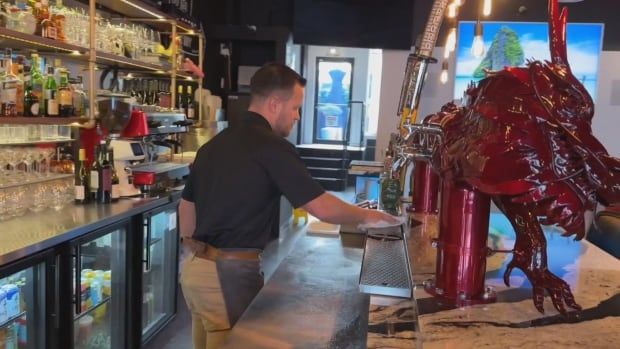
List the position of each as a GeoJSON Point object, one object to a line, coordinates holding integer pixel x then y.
{"type": "Point", "coordinates": [47, 154]}
{"type": "Point", "coordinates": [12, 158]}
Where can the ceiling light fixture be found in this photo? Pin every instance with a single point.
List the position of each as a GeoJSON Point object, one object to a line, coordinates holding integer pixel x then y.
{"type": "Point", "coordinates": [158, 16]}
{"type": "Point", "coordinates": [477, 47]}
{"type": "Point", "coordinates": [486, 8]}
{"type": "Point", "coordinates": [443, 77]}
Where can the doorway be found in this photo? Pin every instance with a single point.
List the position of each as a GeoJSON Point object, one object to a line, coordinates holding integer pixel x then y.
{"type": "Point", "coordinates": [333, 92]}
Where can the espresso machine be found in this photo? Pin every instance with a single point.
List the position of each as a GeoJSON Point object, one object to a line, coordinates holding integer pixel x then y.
{"type": "Point", "coordinates": [145, 144]}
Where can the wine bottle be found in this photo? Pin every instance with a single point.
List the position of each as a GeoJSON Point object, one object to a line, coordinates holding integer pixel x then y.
{"type": "Point", "coordinates": [51, 91]}
{"type": "Point", "coordinates": [82, 180]}
{"type": "Point", "coordinates": [94, 174]}
{"type": "Point", "coordinates": [116, 189]}
{"type": "Point", "coordinates": [191, 110]}
{"type": "Point", "coordinates": [180, 99]}
{"type": "Point", "coordinates": [104, 187]}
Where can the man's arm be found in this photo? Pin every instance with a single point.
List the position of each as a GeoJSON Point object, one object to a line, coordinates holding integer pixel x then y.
{"type": "Point", "coordinates": [329, 208]}
{"type": "Point", "coordinates": [187, 218]}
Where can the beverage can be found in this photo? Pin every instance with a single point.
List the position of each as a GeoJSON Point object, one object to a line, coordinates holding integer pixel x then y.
{"type": "Point", "coordinates": [12, 300]}
{"type": "Point", "coordinates": [3, 311]}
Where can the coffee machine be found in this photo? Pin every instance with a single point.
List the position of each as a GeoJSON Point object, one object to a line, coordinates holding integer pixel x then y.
{"type": "Point", "coordinates": [127, 153]}
{"type": "Point", "coordinates": [144, 143]}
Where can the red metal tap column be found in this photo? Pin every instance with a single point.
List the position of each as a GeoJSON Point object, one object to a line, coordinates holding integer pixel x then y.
{"type": "Point", "coordinates": [425, 188]}
{"type": "Point", "coordinates": [462, 246]}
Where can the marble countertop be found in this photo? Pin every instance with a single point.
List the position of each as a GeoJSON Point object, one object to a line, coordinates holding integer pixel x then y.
{"type": "Point", "coordinates": [513, 321]}
{"type": "Point", "coordinates": [312, 300]}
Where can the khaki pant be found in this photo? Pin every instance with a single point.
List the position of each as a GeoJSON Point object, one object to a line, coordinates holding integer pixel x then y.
{"type": "Point", "coordinates": [216, 294]}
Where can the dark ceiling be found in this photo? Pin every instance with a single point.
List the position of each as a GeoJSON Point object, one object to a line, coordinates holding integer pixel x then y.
{"type": "Point", "coordinates": [281, 13]}
{"type": "Point", "coordinates": [587, 11]}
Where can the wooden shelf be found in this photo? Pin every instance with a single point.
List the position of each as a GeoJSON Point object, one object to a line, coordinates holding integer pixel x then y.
{"type": "Point", "coordinates": [22, 120]}
{"type": "Point", "coordinates": [137, 10]}
{"type": "Point", "coordinates": [11, 38]}
{"type": "Point", "coordinates": [49, 178]}
{"type": "Point", "coordinates": [47, 141]}
{"type": "Point", "coordinates": [124, 62]}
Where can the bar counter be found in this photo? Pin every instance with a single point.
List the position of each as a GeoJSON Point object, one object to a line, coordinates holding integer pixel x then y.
{"type": "Point", "coordinates": [313, 301]}
{"type": "Point", "coordinates": [24, 236]}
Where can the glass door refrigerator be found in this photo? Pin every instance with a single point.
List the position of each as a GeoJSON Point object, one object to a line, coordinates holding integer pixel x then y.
{"type": "Point", "coordinates": [100, 288]}
{"type": "Point", "coordinates": [159, 269]}
{"type": "Point", "coordinates": [23, 306]}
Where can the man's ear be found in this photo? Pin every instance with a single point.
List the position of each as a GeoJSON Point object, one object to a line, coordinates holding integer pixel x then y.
{"type": "Point", "coordinates": [274, 104]}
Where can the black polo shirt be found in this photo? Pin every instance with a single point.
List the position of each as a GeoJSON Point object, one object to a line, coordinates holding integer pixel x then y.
{"type": "Point", "coordinates": [236, 182]}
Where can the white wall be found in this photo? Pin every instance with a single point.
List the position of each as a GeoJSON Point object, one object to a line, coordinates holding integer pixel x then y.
{"type": "Point", "coordinates": [606, 123]}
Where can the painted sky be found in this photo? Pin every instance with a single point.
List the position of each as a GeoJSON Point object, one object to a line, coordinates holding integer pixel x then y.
{"type": "Point", "coordinates": [584, 47]}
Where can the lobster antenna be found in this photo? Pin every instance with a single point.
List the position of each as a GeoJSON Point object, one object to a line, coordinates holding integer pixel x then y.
{"type": "Point", "coordinates": [557, 33]}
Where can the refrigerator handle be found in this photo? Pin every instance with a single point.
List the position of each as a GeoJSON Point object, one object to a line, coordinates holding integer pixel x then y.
{"type": "Point", "coordinates": [78, 280]}
{"type": "Point", "coordinates": [147, 249]}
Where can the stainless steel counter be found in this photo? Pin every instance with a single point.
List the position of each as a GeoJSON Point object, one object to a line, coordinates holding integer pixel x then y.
{"type": "Point", "coordinates": [35, 232]}
{"type": "Point", "coordinates": [311, 300]}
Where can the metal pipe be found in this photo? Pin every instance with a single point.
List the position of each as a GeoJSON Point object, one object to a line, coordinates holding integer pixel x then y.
{"type": "Point", "coordinates": [201, 57]}
{"type": "Point", "coordinates": [173, 74]}
{"type": "Point", "coordinates": [92, 58]}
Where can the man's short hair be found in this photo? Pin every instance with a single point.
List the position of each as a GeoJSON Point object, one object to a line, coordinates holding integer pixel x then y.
{"type": "Point", "coordinates": [274, 77]}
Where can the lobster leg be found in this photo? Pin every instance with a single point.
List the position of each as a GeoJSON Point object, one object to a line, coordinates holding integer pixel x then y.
{"type": "Point", "coordinates": [530, 255]}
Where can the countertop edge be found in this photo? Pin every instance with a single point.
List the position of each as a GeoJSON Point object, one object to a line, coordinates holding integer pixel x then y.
{"type": "Point", "coordinates": [78, 231]}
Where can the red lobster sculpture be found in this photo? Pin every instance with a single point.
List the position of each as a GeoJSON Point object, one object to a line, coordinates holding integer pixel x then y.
{"type": "Point", "coordinates": [524, 139]}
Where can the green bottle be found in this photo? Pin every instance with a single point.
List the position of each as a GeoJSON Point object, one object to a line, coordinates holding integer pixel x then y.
{"type": "Point", "coordinates": [36, 81]}
{"type": "Point", "coordinates": [51, 91]}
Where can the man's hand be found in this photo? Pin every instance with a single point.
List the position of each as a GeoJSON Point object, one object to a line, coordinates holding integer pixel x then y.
{"type": "Point", "coordinates": [374, 217]}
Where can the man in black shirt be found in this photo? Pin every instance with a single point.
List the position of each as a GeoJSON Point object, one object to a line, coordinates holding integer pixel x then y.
{"type": "Point", "coordinates": [230, 205]}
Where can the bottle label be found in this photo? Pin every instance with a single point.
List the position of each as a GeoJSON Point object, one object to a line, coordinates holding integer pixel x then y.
{"type": "Point", "coordinates": [65, 97]}
{"type": "Point", "coordinates": [94, 180]}
{"type": "Point", "coordinates": [34, 109]}
{"type": "Point", "coordinates": [9, 94]}
{"type": "Point", "coordinates": [106, 179]}
{"type": "Point", "coordinates": [79, 192]}
{"type": "Point", "coordinates": [52, 107]}
{"type": "Point", "coordinates": [116, 191]}
{"type": "Point", "coordinates": [190, 113]}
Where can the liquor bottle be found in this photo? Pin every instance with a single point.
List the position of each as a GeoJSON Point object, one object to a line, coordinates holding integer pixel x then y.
{"type": "Point", "coordinates": [58, 69]}
{"type": "Point", "coordinates": [37, 82]}
{"type": "Point", "coordinates": [116, 189]}
{"type": "Point", "coordinates": [31, 101]}
{"type": "Point", "coordinates": [51, 92]}
{"type": "Point", "coordinates": [82, 181]}
{"type": "Point", "coordinates": [79, 97]}
{"type": "Point", "coordinates": [191, 113]}
{"type": "Point", "coordinates": [104, 188]}
{"type": "Point", "coordinates": [18, 71]}
{"type": "Point", "coordinates": [65, 96]}
{"type": "Point", "coordinates": [94, 173]}
{"type": "Point", "coordinates": [8, 97]}
{"type": "Point", "coordinates": [180, 99]}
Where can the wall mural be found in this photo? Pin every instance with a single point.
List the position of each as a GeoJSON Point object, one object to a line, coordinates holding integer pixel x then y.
{"type": "Point", "coordinates": [513, 43]}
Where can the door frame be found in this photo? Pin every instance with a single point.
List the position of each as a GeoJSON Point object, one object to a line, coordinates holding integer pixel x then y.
{"type": "Point", "coordinates": [315, 119]}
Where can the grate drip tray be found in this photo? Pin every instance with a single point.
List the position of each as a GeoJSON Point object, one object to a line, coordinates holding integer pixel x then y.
{"type": "Point", "coordinates": [385, 266]}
